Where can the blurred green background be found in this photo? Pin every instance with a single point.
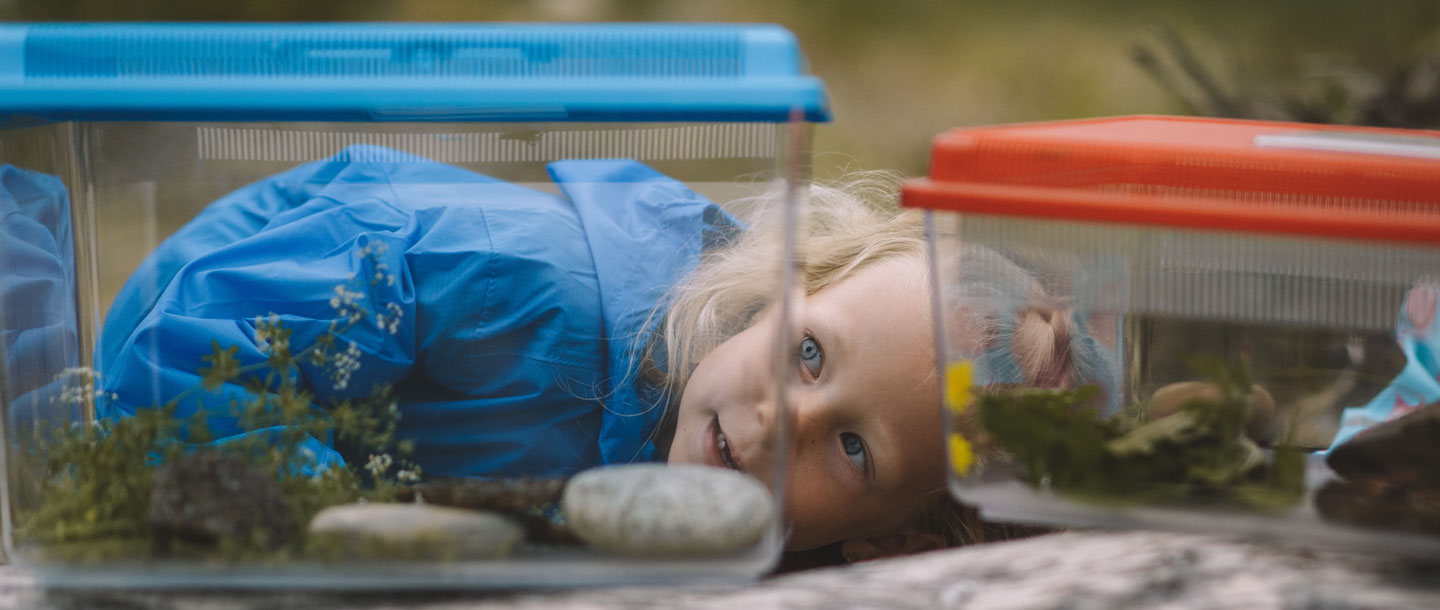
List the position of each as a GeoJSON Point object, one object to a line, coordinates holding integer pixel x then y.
{"type": "Point", "coordinates": [901, 71]}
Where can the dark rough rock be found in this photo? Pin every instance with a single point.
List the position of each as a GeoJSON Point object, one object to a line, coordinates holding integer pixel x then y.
{"type": "Point", "coordinates": [529, 500]}
{"type": "Point", "coordinates": [208, 495]}
{"type": "Point", "coordinates": [543, 530]}
{"type": "Point", "coordinates": [1373, 502]}
{"type": "Point", "coordinates": [1403, 451]}
{"type": "Point", "coordinates": [509, 495]}
{"type": "Point", "coordinates": [1391, 476]}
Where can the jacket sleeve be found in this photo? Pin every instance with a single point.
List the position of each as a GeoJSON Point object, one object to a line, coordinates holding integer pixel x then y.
{"type": "Point", "coordinates": [39, 336]}
{"type": "Point", "coordinates": [321, 249]}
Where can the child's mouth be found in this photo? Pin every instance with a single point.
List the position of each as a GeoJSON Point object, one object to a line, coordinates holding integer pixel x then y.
{"type": "Point", "coordinates": [722, 446]}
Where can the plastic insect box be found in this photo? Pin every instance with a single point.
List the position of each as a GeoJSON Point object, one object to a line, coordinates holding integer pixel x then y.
{"type": "Point", "coordinates": [1217, 326]}
{"type": "Point", "coordinates": [253, 273]}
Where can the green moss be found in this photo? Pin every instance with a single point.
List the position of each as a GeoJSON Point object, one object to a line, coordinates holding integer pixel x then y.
{"type": "Point", "coordinates": [1198, 455]}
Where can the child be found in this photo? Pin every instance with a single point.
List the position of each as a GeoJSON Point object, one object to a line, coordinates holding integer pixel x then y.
{"type": "Point", "coordinates": [866, 433]}
{"type": "Point", "coordinates": [526, 333]}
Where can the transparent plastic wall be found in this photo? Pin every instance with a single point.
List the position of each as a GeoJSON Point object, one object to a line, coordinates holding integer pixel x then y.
{"type": "Point", "coordinates": [1121, 347]}
{"type": "Point", "coordinates": [232, 347]}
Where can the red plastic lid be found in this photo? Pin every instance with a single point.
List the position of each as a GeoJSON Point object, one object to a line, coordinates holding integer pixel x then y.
{"type": "Point", "coordinates": [1253, 176]}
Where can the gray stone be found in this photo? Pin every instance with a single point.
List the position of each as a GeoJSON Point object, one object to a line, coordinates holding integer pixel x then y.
{"type": "Point", "coordinates": [414, 531]}
{"type": "Point", "coordinates": [660, 509]}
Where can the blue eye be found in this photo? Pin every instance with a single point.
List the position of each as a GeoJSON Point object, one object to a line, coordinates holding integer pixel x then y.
{"type": "Point", "coordinates": [811, 356]}
{"type": "Point", "coordinates": [855, 449]}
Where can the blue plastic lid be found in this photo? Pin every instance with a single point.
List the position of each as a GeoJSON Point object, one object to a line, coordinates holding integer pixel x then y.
{"type": "Point", "coordinates": [370, 72]}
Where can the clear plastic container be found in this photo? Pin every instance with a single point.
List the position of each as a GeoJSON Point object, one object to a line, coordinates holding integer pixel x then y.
{"type": "Point", "coordinates": [371, 257]}
{"type": "Point", "coordinates": [1174, 323]}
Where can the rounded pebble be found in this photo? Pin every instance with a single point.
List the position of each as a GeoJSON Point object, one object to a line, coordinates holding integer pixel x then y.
{"type": "Point", "coordinates": [663, 509]}
{"type": "Point", "coordinates": [416, 531]}
{"type": "Point", "coordinates": [1170, 399]}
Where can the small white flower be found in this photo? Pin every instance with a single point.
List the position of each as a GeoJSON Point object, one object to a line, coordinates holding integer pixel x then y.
{"type": "Point", "coordinates": [346, 363]}
{"type": "Point", "coordinates": [391, 323]}
{"type": "Point", "coordinates": [378, 464]}
{"type": "Point", "coordinates": [77, 386]}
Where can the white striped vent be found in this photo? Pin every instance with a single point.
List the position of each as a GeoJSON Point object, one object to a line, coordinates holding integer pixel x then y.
{"type": "Point", "coordinates": [650, 143]}
{"type": "Point", "coordinates": [1219, 275]}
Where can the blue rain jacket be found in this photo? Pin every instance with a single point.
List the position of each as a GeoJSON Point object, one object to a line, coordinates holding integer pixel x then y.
{"type": "Point", "coordinates": [519, 310]}
{"type": "Point", "coordinates": [39, 337]}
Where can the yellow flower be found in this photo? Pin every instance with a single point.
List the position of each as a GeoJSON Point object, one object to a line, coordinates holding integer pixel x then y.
{"type": "Point", "coordinates": [961, 457]}
{"type": "Point", "coordinates": [959, 378]}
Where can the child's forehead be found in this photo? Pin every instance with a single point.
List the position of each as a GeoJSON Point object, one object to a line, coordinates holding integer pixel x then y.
{"type": "Point", "coordinates": [880, 316]}
{"type": "Point", "coordinates": [886, 292]}
{"type": "Point", "coordinates": [903, 274]}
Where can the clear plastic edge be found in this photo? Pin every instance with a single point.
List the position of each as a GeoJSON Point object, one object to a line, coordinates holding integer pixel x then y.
{"type": "Point", "coordinates": [1300, 527]}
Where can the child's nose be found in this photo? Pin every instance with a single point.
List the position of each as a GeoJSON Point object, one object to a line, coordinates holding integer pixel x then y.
{"type": "Point", "coordinates": [768, 414]}
{"type": "Point", "coordinates": [773, 409]}
{"type": "Point", "coordinates": [809, 419]}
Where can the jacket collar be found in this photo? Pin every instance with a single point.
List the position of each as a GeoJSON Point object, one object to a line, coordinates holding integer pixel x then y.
{"type": "Point", "coordinates": [646, 232]}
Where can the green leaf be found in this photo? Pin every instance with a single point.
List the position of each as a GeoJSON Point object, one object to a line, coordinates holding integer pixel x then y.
{"type": "Point", "coordinates": [223, 366]}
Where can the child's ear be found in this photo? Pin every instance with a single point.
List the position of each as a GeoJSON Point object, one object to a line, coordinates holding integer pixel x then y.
{"type": "Point", "coordinates": [904, 540]}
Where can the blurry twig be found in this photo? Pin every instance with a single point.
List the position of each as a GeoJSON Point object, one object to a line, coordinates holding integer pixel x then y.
{"type": "Point", "coordinates": [1212, 99]}
{"type": "Point", "coordinates": [1314, 89]}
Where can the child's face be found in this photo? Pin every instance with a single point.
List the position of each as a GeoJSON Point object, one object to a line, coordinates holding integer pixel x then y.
{"type": "Point", "coordinates": [865, 442]}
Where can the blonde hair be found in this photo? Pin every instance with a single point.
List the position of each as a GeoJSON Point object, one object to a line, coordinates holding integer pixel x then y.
{"type": "Point", "coordinates": [845, 226]}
